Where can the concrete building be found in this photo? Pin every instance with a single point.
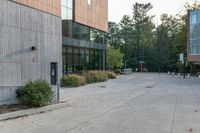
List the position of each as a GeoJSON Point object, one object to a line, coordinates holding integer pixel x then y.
{"type": "Point", "coordinates": [43, 39]}
{"type": "Point", "coordinates": [194, 36]}
{"type": "Point", "coordinates": [30, 44]}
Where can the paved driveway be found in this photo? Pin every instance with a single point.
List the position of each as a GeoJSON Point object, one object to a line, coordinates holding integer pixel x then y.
{"type": "Point", "coordinates": [138, 103]}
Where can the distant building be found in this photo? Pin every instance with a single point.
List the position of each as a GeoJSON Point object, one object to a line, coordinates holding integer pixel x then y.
{"type": "Point", "coordinates": [44, 39]}
{"type": "Point", "coordinates": [194, 36]}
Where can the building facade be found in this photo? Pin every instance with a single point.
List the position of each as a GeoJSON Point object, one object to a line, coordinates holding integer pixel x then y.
{"type": "Point", "coordinates": [30, 44]}
{"type": "Point", "coordinates": [84, 23]}
{"type": "Point", "coordinates": [194, 36]}
{"type": "Point", "coordinates": [44, 39]}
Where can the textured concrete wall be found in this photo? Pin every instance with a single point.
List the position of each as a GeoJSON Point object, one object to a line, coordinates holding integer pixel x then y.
{"type": "Point", "coordinates": [21, 28]}
{"type": "Point", "coordinates": [8, 95]}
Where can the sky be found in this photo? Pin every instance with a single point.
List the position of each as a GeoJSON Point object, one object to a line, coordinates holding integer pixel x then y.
{"type": "Point", "coordinates": [119, 8]}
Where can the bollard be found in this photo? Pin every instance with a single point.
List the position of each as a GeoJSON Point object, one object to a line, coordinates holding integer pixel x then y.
{"type": "Point", "coordinates": [173, 74]}
{"type": "Point", "coordinates": [179, 75]}
{"type": "Point", "coordinates": [188, 75]}
{"type": "Point", "coordinates": [168, 72]}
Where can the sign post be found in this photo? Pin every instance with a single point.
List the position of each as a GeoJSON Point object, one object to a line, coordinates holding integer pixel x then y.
{"type": "Point", "coordinates": [182, 59]}
{"type": "Point", "coordinates": [141, 65]}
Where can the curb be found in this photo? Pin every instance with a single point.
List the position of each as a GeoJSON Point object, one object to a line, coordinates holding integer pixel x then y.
{"type": "Point", "coordinates": [28, 112]}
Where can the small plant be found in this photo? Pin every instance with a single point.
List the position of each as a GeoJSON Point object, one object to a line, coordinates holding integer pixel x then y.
{"type": "Point", "coordinates": [95, 76]}
{"type": "Point", "coordinates": [111, 75]}
{"type": "Point", "coordinates": [35, 93]}
{"type": "Point", "coordinates": [101, 77]}
{"type": "Point", "coordinates": [118, 71]}
{"type": "Point", "coordinates": [73, 80]}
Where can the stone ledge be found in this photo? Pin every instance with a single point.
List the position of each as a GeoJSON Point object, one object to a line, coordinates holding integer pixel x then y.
{"type": "Point", "coordinates": [32, 111]}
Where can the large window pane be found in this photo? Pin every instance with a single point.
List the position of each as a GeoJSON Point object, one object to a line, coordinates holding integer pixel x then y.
{"type": "Point", "coordinates": [64, 3]}
{"type": "Point", "coordinates": [81, 32]}
{"type": "Point", "coordinates": [64, 12]}
{"type": "Point", "coordinates": [70, 4]}
{"type": "Point", "coordinates": [194, 32]}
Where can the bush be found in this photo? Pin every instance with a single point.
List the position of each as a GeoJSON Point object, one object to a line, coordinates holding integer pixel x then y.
{"type": "Point", "coordinates": [111, 75]}
{"type": "Point", "coordinates": [73, 80]}
{"type": "Point", "coordinates": [35, 93]}
{"type": "Point", "coordinates": [118, 71]}
{"type": "Point", "coordinates": [95, 76]}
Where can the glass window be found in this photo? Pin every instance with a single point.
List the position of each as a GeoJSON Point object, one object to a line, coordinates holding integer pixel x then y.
{"type": "Point", "coordinates": [194, 30]}
{"type": "Point", "coordinates": [69, 49]}
{"type": "Point", "coordinates": [67, 9]}
{"type": "Point", "coordinates": [64, 3]}
{"type": "Point", "coordinates": [64, 58]}
{"type": "Point", "coordinates": [81, 32]}
{"type": "Point", "coordinates": [64, 50]}
{"type": "Point", "coordinates": [76, 56]}
{"type": "Point", "coordinates": [64, 12]}
{"type": "Point", "coordinates": [97, 36]}
{"type": "Point", "coordinates": [193, 19]}
{"type": "Point", "coordinates": [69, 14]}
{"type": "Point", "coordinates": [70, 4]}
{"type": "Point", "coordinates": [82, 56]}
{"type": "Point", "coordinates": [67, 28]}
{"type": "Point", "coordinates": [87, 59]}
{"type": "Point", "coordinates": [89, 2]}
{"type": "Point", "coordinates": [92, 58]}
{"type": "Point", "coordinates": [97, 59]}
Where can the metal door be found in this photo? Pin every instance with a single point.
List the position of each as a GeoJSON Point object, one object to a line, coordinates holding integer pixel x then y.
{"type": "Point", "coordinates": [53, 73]}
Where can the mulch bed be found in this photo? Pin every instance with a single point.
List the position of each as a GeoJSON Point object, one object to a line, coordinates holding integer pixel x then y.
{"type": "Point", "coordinates": [12, 108]}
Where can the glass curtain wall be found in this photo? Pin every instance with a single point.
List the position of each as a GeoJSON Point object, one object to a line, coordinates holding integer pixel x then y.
{"type": "Point", "coordinates": [88, 34]}
{"type": "Point", "coordinates": [81, 32]}
{"type": "Point", "coordinates": [67, 17]}
{"type": "Point", "coordinates": [194, 29]}
{"type": "Point", "coordinates": [97, 36]}
{"type": "Point", "coordinates": [76, 59]}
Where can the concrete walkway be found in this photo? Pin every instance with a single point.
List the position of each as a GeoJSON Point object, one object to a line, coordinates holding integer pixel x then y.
{"type": "Point", "coordinates": [138, 103]}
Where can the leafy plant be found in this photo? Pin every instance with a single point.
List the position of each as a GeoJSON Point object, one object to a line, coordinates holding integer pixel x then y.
{"type": "Point", "coordinates": [111, 75]}
{"type": "Point", "coordinates": [114, 58]}
{"type": "Point", "coordinates": [95, 76]}
{"type": "Point", "coordinates": [35, 93]}
{"type": "Point", "coordinates": [117, 71]}
{"type": "Point", "coordinates": [73, 80]}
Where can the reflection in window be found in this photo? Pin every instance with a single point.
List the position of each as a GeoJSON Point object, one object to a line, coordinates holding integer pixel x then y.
{"type": "Point", "coordinates": [76, 59]}
{"type": "Point", "coordinates": [193, 19]}
{"type": "Point", "coordinates": [97, 36]}
{"type": "Point", "coordinates": [194, 31]}
{"type": "Point", "coordinates": [67, 9]}
{"type": "Point", "coordinates": [81, 32]}
{"type": "Point", "coordinates": [89, 2]}
{"type": "Point", "coordinates": [67, 17]}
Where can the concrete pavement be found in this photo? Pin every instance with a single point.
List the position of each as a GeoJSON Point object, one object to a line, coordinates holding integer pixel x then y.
{"type": "Point", "coordinates": [138, 103]}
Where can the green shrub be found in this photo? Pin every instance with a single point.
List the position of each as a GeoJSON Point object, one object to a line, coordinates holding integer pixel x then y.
{"type": "Point", "coordinates": [118, 71]}
{"type": "Point", "coordinates": [111, 75]}
{"type": "Point", "coordinates": [95, 76]}
{"type": "Point", "coordinates": [35, 93]}
{"type": "Point", "coordinates": [73, 80]}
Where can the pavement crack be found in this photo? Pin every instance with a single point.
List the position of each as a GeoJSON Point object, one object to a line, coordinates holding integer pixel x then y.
{"type": "Point", "coordinates": [174, 114]}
